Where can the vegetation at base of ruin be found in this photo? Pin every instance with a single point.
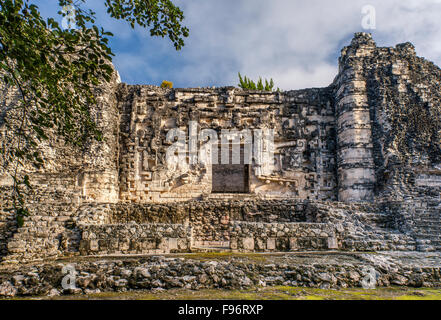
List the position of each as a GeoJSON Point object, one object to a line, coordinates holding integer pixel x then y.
{"type": "Point", "coordinates": [167, 84]}
{"type": "Point", "coordinates": [56, 72]}
{"type": "Point", "coordinates": [265, 293]}
{"type": "Point", "coordinates": [248, 84]}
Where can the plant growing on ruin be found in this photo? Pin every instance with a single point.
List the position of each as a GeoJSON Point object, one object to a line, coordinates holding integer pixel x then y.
{"type": "Point", "coordinates": [55, 72]}
{"type": "Point", "coordinates": [248, 84]}
{"type": "Point", "coordinates": [167, 84]}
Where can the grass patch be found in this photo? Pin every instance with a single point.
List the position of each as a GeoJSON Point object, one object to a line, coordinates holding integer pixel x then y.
{"type": "Point", "coordinates": [268, 293]}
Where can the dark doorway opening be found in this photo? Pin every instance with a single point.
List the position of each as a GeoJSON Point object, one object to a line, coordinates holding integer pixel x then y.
{"type": "Point", "coordinates": [231, 178]}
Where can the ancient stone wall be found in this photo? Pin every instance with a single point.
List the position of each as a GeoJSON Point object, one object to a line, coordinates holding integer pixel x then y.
{"type": "Point", "coordinates": [210, 219]}
{"type": "Point", "coordinates": [134, 239]}
{"type": "Point", "coordinates": [78, 174]}
{"type": "Point", "coordinates": [271, 237]}
{"type": "Point", "coordinates": [70, 177]}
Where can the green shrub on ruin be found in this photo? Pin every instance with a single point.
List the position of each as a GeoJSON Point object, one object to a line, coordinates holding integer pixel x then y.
{"type": "Point", "coordinates": [248, 84]}
{"type": "Point", "coordinates": [167, 84]}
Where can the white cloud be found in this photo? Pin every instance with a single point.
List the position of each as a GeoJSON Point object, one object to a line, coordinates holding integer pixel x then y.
{"type": "Point", "coordinates": [295, 42]}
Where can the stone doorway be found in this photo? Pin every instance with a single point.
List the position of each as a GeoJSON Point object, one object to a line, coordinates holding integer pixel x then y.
{"type": "Point", "coordinates": [231, 178]}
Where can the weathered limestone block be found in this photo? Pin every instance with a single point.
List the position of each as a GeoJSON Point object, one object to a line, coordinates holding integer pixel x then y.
{"type": "Point", "coordinates": [134, 239]}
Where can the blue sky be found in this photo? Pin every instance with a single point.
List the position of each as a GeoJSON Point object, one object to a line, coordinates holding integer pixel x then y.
{"type": "Point", "coordinates": [295, 42]}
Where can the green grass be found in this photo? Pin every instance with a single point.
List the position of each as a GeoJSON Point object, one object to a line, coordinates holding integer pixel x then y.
{"type": "Point", "coordinates": [268, 293]}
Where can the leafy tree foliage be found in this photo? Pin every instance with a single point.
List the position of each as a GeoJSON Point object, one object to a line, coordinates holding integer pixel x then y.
{"type": "Point", "coordinates": [162, 16]}
{"type": "Point", "coordinates": [55, 72]}
{"type": "Point", "coordinates": [248, 84]}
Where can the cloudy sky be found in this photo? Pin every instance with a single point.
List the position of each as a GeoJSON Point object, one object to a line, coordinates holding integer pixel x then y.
{"type": "Point", "coordinates": [295, 42]}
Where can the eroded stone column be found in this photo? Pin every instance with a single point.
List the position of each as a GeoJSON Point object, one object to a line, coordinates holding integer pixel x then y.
{"type": "Point", "coordinates": [356, 173]}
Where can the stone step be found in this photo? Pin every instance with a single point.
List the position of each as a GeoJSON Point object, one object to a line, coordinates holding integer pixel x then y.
{"type": "Point", "coordinates": [364, 239]}
{"type": "Point", "coordinates": [428, 221]}
{"type": "Point", "coordinates": [427, 216]}
{"type": "Point", "coordinates": [426, 248]}
{"type": "Point", "coordinates": [428, 224]}
{"type": "Point", "coordinates": [431, 242]}
{"type": "Point", "coordinates": [378, 245]}
{"type": "Point", "coordinates": [436, 242]}
{"type": "Point", "coordinates": [378, 220]}
{"type": "Point", "coordinates": [388, 231]}
{"type": "Point", "coordinates": [227, 196]}
{"type": "Point", "coordinates": [428, 236]}
{"type": "Point", "coordinates": [423, 230]}
{"type": "Point", "coordinates": [436, 216]}
{"type": "Point", "coordinates": [210, 250]}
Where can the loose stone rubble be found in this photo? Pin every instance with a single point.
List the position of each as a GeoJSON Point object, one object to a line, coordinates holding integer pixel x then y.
{"type": "Point", "coordinates": [159, 273]}
{"type": "Point", "coordinates": [357, 167]}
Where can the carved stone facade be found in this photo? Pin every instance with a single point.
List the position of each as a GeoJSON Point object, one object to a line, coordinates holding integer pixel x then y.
{"type": "Point", "coordinates": [304, 143]}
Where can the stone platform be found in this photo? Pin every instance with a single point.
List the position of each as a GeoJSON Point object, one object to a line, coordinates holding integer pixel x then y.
{"type": "Point", "coordinates": [223, 225]}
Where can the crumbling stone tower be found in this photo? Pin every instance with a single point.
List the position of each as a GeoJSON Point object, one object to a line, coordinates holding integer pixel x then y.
{"type": "Point", "coordinates": [388, 113]}
{"type": "Point", "coordinates": [355, 163]}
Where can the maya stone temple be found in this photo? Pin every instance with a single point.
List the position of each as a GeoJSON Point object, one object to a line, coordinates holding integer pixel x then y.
{"type": "Point", "coordinates": [356, 168]}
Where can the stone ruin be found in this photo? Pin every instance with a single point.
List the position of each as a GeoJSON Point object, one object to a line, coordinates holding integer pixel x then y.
{"type": "Point", "coordinates": [357, 167]}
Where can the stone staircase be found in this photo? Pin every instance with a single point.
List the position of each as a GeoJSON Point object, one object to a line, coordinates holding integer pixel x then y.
{"type": "Point", "coordinates": [427, 228]}
{"type": "Point", "coordinates": [380, 240]}
{"type": "Point", "coordinates": [231, 196]}
{"type": "Point", "coordinates": [51, 231]}
{"type": "Point", "coordinates": [365, 227]}
{"type": "Point", "coordinates": [43, 234]}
